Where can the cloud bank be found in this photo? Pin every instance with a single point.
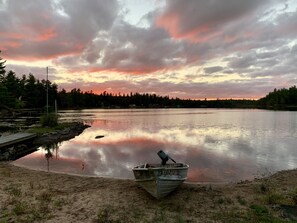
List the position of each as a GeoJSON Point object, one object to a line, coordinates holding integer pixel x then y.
{"type": "Point", "coordinates": [192, 49]}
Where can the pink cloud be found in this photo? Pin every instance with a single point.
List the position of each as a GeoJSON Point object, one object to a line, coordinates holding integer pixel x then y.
{"type": "Point", "coordinates": [91, 36]}
{"type": "Point", "coordinates": [47, 34]}
{"type": "Point", "coordinates": [12, 35]}
{"type": "Point", "coordinates": [10, 44]}
{"type": "Point", "coordinates": [201, 21]}
{"type": "Point", "coordinates": [43, 33]}
{"type": "Point", "coordinates": [172, 23]}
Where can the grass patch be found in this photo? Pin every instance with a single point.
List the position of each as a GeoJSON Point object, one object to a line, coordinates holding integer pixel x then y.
{"type": "Point", "coordinates": [159, 217]}
{"type": "Point", "coordinates": [230, 216]}
{"type": "Point", "coordinates": [256, 214]}
{"type": "Point", "coordinates": [13, 190]}
{"type": "Point", "coordinates": [45, 129]}
{"type": "Point", "coordinates": [224, 200]}
{"type": "Point", "coordinates": [49, 120]}
{"type": "Point", "coordinates": [59, 203]}
{"type": "Point", "coordinates": [241, 201]}
{"type": "Point", "coordinates": [104, 216]}
{"type": "Point", "coordinates": [180, 219]}
{"type": "Point", "coordinates": [259, 209]}
{"type": "Point", "coordinates": [260, 213]}
{"type": "Point", "coordinates": [45, 196]}
{"type": "Point", "coordinates": [5, 172]}
{"type": "Point", "coordinates": [294, 196]}
{"type": "Point", "coordinates": [20, 208]}
{"type": "Point", "coordinates": [264, 188]}
{"type": "Point", "coordinates": [274, 198]}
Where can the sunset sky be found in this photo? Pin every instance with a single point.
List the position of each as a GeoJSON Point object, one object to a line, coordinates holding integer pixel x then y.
{"type": "Point", "coordinates": [181, 48]}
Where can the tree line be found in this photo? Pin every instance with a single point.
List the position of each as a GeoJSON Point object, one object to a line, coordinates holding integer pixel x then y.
{"type": "Point", "coordinates": [281, 99]}
{"type": "Point", "coordinates": [30, 92]}
{"type": "Point", "coordinates": [24, 92]}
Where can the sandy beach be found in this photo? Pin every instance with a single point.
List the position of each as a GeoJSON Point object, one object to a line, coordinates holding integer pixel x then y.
{"type": "Point", "coordinates": [35, 196]}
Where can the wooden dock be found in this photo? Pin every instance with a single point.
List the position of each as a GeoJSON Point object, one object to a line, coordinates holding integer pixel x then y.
{"type": "Point", "coordinates": [11, 140]}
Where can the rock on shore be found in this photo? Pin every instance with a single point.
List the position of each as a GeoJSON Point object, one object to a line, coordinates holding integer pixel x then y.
{"type": "Point", "coordinates": [61, 135]}
{"type": "Point", "coordinates": [20, 150]}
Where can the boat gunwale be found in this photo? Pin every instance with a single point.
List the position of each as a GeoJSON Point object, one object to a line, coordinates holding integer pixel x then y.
{"type": "Point", "coordinates": [161, 179]}
{"type": "Point", "coordinates": [185, 166]}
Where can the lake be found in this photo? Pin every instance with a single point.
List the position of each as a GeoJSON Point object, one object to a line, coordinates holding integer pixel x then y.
{"type": "Point", "coordinates": [220, 145]}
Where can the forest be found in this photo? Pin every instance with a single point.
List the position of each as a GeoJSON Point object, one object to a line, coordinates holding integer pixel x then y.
{"type": "Point", "coordinates": [28, 92]}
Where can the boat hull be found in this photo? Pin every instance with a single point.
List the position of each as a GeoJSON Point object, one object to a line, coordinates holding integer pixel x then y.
{"type": "Point", "coordinates": [160, 180]}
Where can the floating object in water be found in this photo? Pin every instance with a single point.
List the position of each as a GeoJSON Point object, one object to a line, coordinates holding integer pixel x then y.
{"type": "Point", "coordinates": [99, 136]}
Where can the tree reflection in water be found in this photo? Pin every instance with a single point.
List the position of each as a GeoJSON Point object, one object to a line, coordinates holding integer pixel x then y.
{"type": "Point", "coordinates": [219, 145]}
{"type": "Point", "coordinates": [50, 149]}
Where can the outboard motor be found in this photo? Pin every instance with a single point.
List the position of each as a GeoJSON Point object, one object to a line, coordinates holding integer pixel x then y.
{"type": "Point", "coordinates": [164, 157]}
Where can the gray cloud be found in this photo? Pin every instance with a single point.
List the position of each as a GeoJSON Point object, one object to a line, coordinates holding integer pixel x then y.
{"type": "Point", "coordinates": [48, 29]}
{"type": "Point", "coordinates": [227, 89]}
{"type": "Point", "coordinates": [38, 72]}
{"type": "Point", "coordinates": [210, 70]}
{"type": "Point", "coordinates": [254, 38]}
{"type": "Point", "coordinates": [204, 19]}
{"type": "Point", "coordinates": [243, 61]}
{"type": "Point", "coordinates": [130, 49]}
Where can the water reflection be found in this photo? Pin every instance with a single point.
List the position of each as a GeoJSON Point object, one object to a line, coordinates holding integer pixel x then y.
{"type": "Point", "coordinates": [50, 149]}
{"type": "Point", "coordinates": [219, 145]}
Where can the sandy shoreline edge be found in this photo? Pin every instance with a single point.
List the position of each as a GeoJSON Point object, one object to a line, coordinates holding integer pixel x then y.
{"type": "Point", "coordinates": [36, 196]}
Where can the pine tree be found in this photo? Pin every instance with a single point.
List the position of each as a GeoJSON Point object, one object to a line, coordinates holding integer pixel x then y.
{"type": "Point", "coordinates": [2, 66]}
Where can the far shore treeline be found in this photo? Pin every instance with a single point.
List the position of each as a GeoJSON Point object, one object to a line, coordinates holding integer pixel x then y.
{"type": "Point", "coordinates": [28, 92]}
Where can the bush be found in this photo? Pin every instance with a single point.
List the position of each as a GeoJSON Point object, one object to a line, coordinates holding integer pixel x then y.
{"type": "Point", "coordinates": [49, 120]}
{"type": "Point", "coordinates": [295, 196]}
{"type": "Point", "coordinates": [274, 198]}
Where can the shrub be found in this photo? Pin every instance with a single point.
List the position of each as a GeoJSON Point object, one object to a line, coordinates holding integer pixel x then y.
{"type": "Point", "coordinates": [274, 198]}
{"type": "Point", "coordinates": [49, 120]}
{"type": "Point", "coordinates": [258, 209]}
{"type": "Point", "coordinates": [295, 196]}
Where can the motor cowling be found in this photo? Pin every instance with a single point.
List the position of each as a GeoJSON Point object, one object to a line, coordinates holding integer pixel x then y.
{"type": "Point", "coordinates": [164, 157]}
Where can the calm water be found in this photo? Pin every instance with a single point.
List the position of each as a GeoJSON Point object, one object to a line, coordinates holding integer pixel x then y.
{"type": "Point", "coordinates": [219, 145]}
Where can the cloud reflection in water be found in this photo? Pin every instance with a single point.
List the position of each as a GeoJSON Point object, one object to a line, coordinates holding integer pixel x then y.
{"type": "Point", "coordinates": [218, 149]}
{"type": "Point", "coordinates": [116, 158]}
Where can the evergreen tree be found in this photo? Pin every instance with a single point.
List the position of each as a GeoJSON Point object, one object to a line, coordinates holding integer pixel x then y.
{"type": "Point", "coordinates": [2, 66]}
{"type": "Point", "coordinates": [12, 83]}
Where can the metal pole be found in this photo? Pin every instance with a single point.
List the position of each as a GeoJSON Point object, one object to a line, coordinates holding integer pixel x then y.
{"type": "Point", "coordinates": [56, 107]}
{"type": "Point", "coordinates": [46, 91]}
